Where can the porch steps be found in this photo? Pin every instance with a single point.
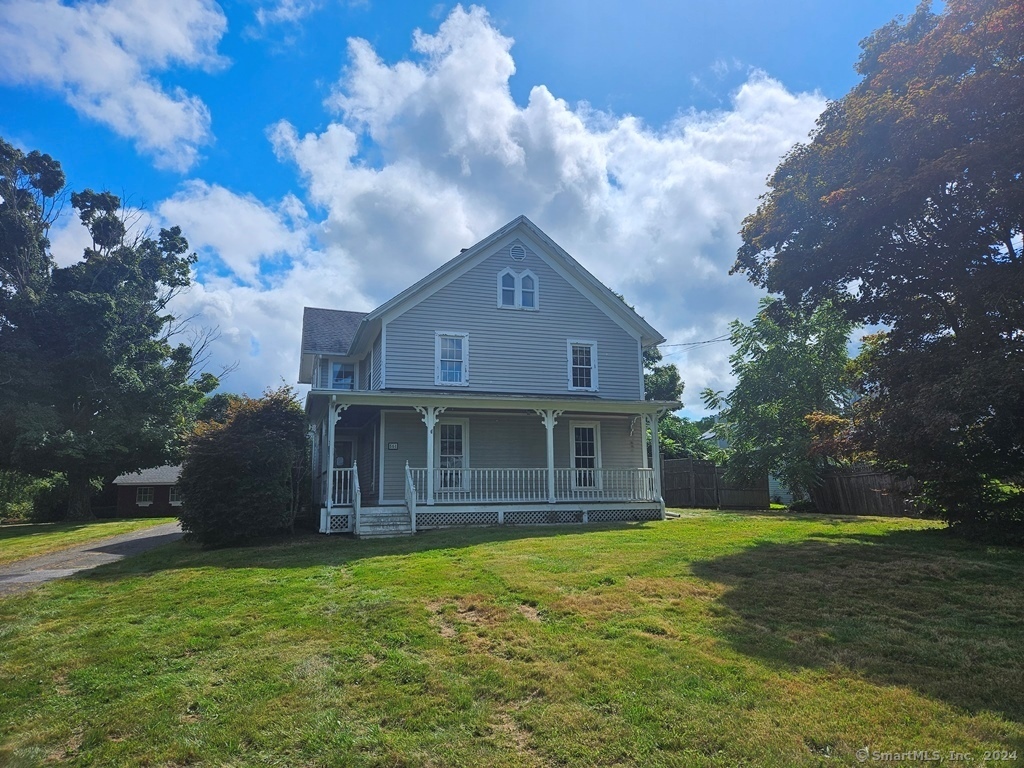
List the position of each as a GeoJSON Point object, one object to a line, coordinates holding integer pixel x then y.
{"type": "Point", "coordinates": [381, 522]}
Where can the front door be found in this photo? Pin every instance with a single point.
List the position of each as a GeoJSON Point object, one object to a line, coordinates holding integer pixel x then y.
{"type": "Point", "coordinates": [344, 453]}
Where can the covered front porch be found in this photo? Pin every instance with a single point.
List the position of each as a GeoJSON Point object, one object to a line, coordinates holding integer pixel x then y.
{"type": "Point", "coordinates": [438, 460]}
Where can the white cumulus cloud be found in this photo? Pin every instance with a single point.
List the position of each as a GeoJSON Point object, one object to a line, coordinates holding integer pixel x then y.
{"type": "Point", "coordinates": [652, 211]}
{"type": "Point", "coordinates": [103, 59]}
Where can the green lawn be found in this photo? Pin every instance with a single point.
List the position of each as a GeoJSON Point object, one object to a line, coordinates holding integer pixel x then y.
{"type": "Point", "coordinates": [715, 639]}
{"type": "Point", "coordinates": [28, 540]}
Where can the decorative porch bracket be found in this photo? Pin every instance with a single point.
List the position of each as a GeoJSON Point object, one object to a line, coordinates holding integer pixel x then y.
{"type": "Point", "coordinates": [550, 418]}
{"type": "Point", "coordinates": [332, 419]}
{"type": "Point", "coordinates": [430, 414]}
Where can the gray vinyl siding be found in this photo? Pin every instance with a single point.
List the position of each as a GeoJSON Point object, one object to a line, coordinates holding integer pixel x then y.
{"type": "Point", "coordinates": [515, 351]}
{"type": "Point", "coordinates": [504, 441]}
{"type": "Point", "coordinates": [364, 373]}
{"type": "Point", "coordinates": [375, 381]}
{"type": "Point", "coordinates": [619, 448]}
{"type": "Point", "coordinates": [407, 429]}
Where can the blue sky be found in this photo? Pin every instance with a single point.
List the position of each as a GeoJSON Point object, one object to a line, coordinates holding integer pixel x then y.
{"type": "Point", "coordinates": [329, 153]}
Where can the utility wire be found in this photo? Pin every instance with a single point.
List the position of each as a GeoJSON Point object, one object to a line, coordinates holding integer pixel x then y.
{"type": "Point", "coordinates": [716, 340]}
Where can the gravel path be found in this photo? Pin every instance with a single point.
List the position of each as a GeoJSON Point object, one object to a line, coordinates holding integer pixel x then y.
{"type": "Point", "coordinates": [24, 574]}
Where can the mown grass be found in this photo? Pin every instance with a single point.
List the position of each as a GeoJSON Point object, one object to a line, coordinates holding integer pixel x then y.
{"type": "Point", "coordinates": [31, 539]}
{"type": "Point", "coordinates": [717, 639]}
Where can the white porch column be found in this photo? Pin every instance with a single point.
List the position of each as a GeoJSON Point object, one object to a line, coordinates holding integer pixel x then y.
{"type": "Point", "coordinates": [332, 420]}
{"type": "Point", "coordinates": [656, 460]}
{"type": "Point", "coordinates": [430, 414]}
{"type": "Point", "coordinates": [550, 418]}
{"type": "Point", "coordinates": [643, 440]}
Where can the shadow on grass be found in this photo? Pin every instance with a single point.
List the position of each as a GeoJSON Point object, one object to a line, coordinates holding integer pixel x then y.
{"type": "Point", "coordinates": [911, 608]}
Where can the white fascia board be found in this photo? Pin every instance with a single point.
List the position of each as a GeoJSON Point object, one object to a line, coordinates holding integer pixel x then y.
{"type": "Point", "coordinates": [495, 402]}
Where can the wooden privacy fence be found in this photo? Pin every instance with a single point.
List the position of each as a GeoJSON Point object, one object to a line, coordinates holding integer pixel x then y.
{"type": "Point", "coordinates": [864, 493]}
{"type": "Point", "coordinates": [693, 483]}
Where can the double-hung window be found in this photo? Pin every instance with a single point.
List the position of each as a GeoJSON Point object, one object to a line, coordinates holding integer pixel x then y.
{"type": "Point", "coordinates": [586, 454]}
{"type": "Point", "coordinates": [582, 364]}
{"type": "Point", "coordinates": [334, 375]}
{"type": "Point", "coordinates": [517, 290]}
{"type": "Point", "coordinates": [451, 358]}
{"type": "Point", "coordinates": [144, 495]}
{"type": "Point", "coordinates": [174, 496]}
{"type": "Point", "coordinates": [343, 376]}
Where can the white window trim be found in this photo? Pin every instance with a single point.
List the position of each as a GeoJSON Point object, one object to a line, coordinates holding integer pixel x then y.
{"type": "Point", "coordinates": [536, 291]}
{"type": "Point", "coordinates": [465, 440]}
{"type": "Point", "coordinates": [594, 386]}
{"type": "Point", "coordinates": [465, 452]}
{"type": "Point", "coordinates": [152, 496]}
{"type": "Point", "coordinates": [597, 451]}
{"type": "Point", "coordinates": [438, 335]}
{"type": "Point", "coordinates": [354, 378]}
{"type": "Point", "coordinates": [515, 289]}
{"type": "Point", "coordinates": [518, 290]}
{"type": "Point", "coordinates": [170, 497]}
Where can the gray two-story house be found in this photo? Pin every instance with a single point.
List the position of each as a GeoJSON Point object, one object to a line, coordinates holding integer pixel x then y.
{"type": "Point", "coordinates": [506, 387]}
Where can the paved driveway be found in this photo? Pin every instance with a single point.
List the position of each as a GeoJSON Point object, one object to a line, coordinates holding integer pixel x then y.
{"type": "Point", "coordinates": [24, 574]}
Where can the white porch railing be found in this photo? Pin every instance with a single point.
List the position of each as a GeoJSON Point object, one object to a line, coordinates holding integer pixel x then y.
{"type": "Point", "coordinates": [344, 490]}
{"type": "Point", "coordinates": [605, 484]}
{"type": "Point", "coordinates": [356, 498]}
{"type": "Point", "coordinates": [495, 486]}
{"type": "Point", "coordinates": [410, 496]}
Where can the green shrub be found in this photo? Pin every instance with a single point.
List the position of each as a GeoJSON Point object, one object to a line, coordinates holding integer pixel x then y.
{"type": "Point", "coordinates": [244, 478]}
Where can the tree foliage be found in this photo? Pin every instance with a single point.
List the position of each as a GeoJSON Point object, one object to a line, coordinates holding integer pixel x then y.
{"type": "Point", "coordinates": [911, 191]}
{"type": "Point", "coordinates": [244, 478]}
{"type": "Point", "coordinates": [661, 380]}
{"type": "Point", "coordinates": [788, 365]}
{"type": "Point", "coordinates": [90, 383]}
{"type": "Point", "coordinates": [682, 437]}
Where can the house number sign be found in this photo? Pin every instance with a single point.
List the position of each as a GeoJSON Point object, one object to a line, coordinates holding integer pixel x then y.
{"type": "Point", "coordinates": [392, 446]}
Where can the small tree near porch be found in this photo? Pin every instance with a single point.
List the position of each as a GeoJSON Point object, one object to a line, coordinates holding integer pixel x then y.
{"type": "Point", "coordinates": [246, 478]}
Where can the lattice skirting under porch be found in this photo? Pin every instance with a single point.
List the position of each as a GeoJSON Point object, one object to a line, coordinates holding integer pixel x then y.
{"type": "Point", "coordinates": [336, 522]}
{"type": "Point", "coordinates": [541, 516]}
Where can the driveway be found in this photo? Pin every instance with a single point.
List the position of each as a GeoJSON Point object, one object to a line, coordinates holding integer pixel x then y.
{"type": "Point", "coordinates": [23, 574]}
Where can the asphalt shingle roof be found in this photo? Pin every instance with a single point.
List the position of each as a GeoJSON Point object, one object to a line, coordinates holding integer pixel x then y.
{"type": "Point", "coordinates": [329, 331]}
{"type": "Point", "coordinates": [166, 475]}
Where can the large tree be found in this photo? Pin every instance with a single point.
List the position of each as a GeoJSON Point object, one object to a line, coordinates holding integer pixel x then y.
{"type": "Point", "coordinates": [92, 385]}
{"type": "Point", "coordinates": [910, 194]}
{"type": "Point", "coordinates": [789, 364]}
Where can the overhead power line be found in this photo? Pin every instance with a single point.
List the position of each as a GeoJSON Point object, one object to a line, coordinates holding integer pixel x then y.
{"type": "Point", "coordinates": [716, 340]}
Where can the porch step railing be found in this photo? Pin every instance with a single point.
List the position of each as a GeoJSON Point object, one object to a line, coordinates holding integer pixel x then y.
{"type": "Point", "coordinates": [344, 490]}
{"type": "Point", "coordinates": [495, 486]}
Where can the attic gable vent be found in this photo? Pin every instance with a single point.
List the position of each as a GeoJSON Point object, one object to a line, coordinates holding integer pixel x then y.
{"type": "Point", "coordinates": [517, 252]}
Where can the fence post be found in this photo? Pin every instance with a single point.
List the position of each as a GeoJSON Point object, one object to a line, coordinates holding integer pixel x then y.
{"type": "Point", "coordinates": [693, 482]}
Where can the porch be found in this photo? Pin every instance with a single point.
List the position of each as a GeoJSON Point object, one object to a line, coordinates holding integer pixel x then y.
{"type": "Point", "coordinates": [461, 463]}
{"type": "Point", "coordinates": [490, 496]}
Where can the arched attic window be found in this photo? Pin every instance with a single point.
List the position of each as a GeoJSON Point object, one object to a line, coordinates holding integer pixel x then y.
{"type": "Point", "coordinates": [507, 288]}
{"type": "Point", "coordinates": [517, 290]}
